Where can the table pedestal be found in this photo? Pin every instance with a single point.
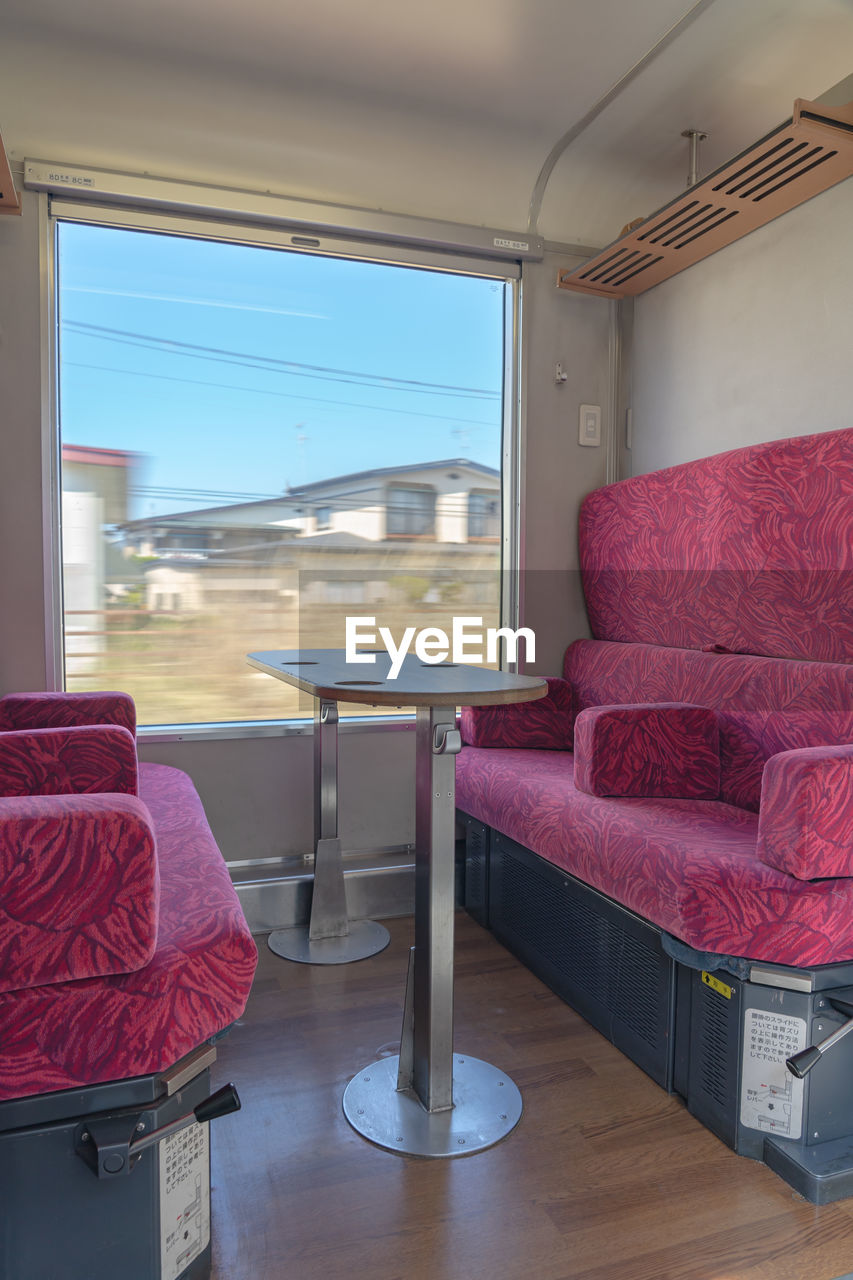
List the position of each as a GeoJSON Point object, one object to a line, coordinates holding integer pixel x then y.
{"type": "Point", "coordinates": [330, 937]}
{"type": "Point", "coordinates": [430, 1101]}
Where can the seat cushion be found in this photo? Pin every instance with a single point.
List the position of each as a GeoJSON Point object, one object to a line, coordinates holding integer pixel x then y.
{"type": "Point", "coordinates": [79, 888]}
{"type": "Point", "coordinates": [648, 749]}
{"type": "Point", "coordinates": [688, 866]}
{"type": "Point", "coordinates": [805, 825]}
{"type": "Point", "coordinates": [197, 983]}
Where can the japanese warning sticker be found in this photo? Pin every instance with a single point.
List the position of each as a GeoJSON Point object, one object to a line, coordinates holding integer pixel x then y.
{"type": "Point", "coordinates": [184, 1198]}
{"type": "Point", "coordinates": [771, 1099]}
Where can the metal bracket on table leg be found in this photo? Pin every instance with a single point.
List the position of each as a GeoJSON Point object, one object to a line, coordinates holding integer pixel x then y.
{"type": "Point", "coordinates": [329, 899]}
{"type": "Point", "coordinates": [406, 1068]}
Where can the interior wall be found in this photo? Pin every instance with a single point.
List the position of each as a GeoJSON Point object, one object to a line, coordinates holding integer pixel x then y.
{"type": "Point", "coordinates": [573, 331]}
{"type": "Point", "coordinates": [22, 599]}
{"type": "Point", "coordinates": [752, 344]}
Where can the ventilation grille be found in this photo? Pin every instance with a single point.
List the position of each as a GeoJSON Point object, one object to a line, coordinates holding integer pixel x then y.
{"type": "Point", "coordinates": [582, 939]}
{"type": "Point", "coordinates": [799, 160]}
{"type": "Point", "coordinates": [476, 870]}
{"type": "Point", "coordinates": [714, 1048]}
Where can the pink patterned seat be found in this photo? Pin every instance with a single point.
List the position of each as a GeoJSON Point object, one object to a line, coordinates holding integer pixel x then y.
{"type": "Point", "coordinates": [725, 585]}
{"type": "Point", "coordinates": [122, 943]}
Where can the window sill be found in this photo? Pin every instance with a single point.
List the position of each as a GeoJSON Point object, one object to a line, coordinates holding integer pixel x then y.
{"type": "Point", "coordinates": [303, 727]}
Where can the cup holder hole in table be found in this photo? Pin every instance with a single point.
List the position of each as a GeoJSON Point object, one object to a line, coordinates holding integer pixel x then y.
{"type": "Point", "coordinates": [358, 683]}
{"type": "Point", "coordinates": [300, 662]}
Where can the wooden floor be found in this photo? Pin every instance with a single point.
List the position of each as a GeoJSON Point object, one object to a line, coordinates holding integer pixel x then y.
{"type": "Point", "coordinates": [605, 1178]}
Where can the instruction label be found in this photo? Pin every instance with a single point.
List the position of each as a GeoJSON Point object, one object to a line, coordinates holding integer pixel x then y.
{"type": "Point", "coordinates": [771, 1098]}
{"type": "Point", "coordinates": [184, 1198]}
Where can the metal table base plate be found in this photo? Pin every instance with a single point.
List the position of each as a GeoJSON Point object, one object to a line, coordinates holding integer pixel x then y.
{"type": "Point", "coordinates": [365, 938]}
{"type": "Point", "coordinates": [486, 1107]}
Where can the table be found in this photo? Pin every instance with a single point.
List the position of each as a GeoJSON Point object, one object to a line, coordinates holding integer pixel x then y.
{"type": "Point", "coordinates": [427, 1100]}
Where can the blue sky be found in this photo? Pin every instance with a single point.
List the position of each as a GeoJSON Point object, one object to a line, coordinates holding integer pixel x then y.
{"type": "Point", "coordinates": [238, 371]}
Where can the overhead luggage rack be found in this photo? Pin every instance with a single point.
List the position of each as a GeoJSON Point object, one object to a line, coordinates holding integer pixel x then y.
{"type": "Point", "coordinates": [808, 154]}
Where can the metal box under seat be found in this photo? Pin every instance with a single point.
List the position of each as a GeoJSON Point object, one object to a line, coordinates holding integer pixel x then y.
{"type": "Point", "coordinates": [78, 1204]}
{"type": "Point", "coordinates": [738, 1084]}
{"type": "Point", "coordinates": [716, 1030]}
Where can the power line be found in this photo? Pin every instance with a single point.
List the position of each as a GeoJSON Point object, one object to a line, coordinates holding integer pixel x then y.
{"type": "Point", "coordinates": [282, 395]}
{"type": "Point", "coordinates": [274, 364]}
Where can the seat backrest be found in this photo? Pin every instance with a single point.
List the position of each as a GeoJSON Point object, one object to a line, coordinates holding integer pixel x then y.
{"type": "Point", "coordinates": [765, 705]}
{"type": "Point", "coordinates": [749, 551]}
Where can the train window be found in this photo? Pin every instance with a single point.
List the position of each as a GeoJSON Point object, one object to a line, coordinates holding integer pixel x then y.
{"type": "Point", "coordinates": [257, 443]}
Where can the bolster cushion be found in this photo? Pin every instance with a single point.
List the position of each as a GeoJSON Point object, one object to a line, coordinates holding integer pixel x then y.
{"type": "Point", "coordinates": [648, 749]}
{"type": "Point", "coordinates": [544, 723]}
{"type": "Point", "coordinates": [805, 823]}
{"type": "Point", "coordinates": [79, 888]}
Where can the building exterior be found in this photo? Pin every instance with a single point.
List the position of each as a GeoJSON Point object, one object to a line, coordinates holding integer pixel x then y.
{"type": "Point", "coordinates": [359, 538]}
{"type": "Point", "coordinates": [95, 489]}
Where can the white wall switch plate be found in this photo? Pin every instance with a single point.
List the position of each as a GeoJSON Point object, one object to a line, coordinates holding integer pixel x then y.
{"type": "Point", "coordinates": [589, 428]}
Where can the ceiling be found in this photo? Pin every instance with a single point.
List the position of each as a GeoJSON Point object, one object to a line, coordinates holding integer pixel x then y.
{"type": "Point", "coordinates": [446, 110]}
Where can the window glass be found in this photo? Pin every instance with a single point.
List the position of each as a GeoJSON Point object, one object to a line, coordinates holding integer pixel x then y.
{"type": "Point", "coordinates": [484, 517]}
{"type": "Point", "coordinates": [410, 513]}
{"type": "Point", "coordinates": [258, 443]}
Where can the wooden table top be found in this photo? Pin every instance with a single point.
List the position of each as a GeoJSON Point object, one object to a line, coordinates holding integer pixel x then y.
{"type": "Point", "coordinates": [325, 673]}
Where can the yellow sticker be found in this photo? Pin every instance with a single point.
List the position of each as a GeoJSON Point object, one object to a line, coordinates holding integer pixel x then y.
{"type": "Point", "coordinates": [716, 985]}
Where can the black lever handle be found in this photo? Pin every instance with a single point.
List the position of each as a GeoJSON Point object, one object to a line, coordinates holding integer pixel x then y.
{"type": "Point", "coordinates": [221, 1103]}
{"type": "Point", "coordinates": [800, 1064]}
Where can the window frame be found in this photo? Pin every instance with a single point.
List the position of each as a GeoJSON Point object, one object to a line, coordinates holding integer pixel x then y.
{"type": "Point", "coordinates": [54, 210]}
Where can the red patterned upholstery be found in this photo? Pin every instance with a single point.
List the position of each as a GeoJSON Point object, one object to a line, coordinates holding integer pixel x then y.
{"type": "Point", "coordinates": [805, 826]}
{"type": "Point", "coordinates": [79, 888]}
{"type": "Point", "coordinates": [749, 550]}
{"type": "Point", "coordinates": [764, 705]}
{"type": "Point", "coordinates": [689, 866]}
{"type": "Point", "coordinates": [544, 722]}
{"type": "Point", "coordinates": [60, 710]}
{"type": "Point", "coordinates": [122, 942]}
{"type": "Point", "coordinates": [79, 760]}
{"type": "Point", "coordinates": [659, 749]}
{"type": "Point", "coordinates": [725, 583]}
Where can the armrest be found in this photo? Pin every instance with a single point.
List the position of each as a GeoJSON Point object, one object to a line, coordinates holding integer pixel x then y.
{"type": "Point", "coordinates": [805, 822]}
{"type": "Point", "coordinates": [544, 723]}
{"type": "Point", "coordinates": [59, 710]}
{"type": "Point", "coordinates": [648, 749]}
{"type": "Point", "coordinates": [50, 762]}
{"type": "Point", "coordinates": [79, 888]}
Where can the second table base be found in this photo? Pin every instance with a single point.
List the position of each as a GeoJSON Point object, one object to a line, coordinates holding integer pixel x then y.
{"type": "Point", "coordinates": [365, 938]}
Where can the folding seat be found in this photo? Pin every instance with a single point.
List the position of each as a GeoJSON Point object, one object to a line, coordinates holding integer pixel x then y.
{"type": "Point", "coordinates": [124, 954]}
